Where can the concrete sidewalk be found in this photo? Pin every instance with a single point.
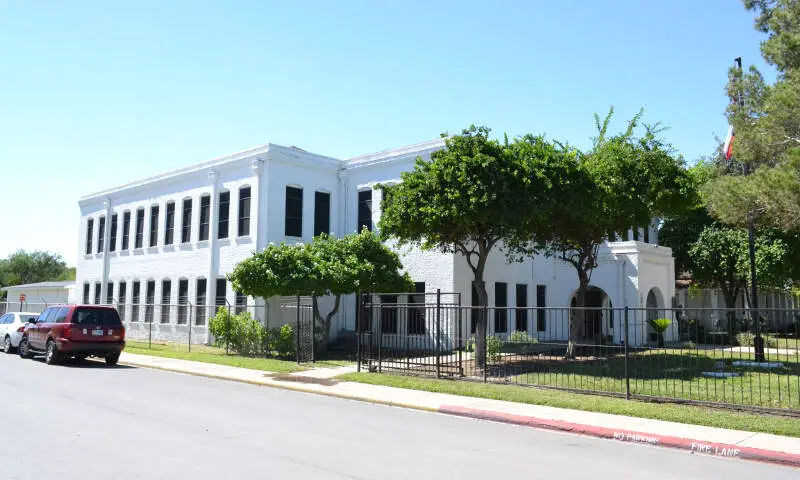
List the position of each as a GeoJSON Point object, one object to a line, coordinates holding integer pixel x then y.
{"type": "Point", "coordinates": [691, 438]}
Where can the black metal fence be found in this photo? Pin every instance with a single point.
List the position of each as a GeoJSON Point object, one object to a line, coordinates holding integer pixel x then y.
{"type": "Point", "coordinates": [684, 355]}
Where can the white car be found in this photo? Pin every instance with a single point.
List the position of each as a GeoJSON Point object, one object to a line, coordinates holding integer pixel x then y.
{"type": "Point", "coordinates": [11, 326]}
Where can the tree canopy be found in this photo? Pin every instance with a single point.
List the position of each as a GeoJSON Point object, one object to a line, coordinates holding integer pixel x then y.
{"type": "Point", "coordinates": [326, 266]}
{"type": "Point", "coordinates": [24, 267]}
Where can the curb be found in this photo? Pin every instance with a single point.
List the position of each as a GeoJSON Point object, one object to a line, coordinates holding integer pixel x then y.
{"type": "Point", "coordinates": [688, 445]}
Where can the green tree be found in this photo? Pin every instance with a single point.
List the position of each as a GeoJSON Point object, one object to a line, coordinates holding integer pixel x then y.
{"type": "Point", "coordinates": [24, 267]}
{"type": "Point", "coordinates": [326, 266]}
{"type": "Point", "coordinates": [469, 199]}
{"type": "Point", "coordinates": [623, 182]}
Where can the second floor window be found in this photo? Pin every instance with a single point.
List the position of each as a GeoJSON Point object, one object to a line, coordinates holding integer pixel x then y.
{"type": "Point", "coordinates": [224, 214]}
{"type": "Point", "coordinates": [294, 212]}
{"type": "Point", "coordinates": [89, 235]}
{"type": "Point", "coordinates": [169, 227]}
{"type": "Point", "coordinates": [113, 240]}
{"type": "Point", "coordinates": [139, 239]}
{"type": "Point", "coordinates": [322, 213]}
{"type": "Point", "coordinates": [186, 221]}
{"type": "Point", "coordinates": [205, 213]}
{"type": "Point", "coordinates": [244, 211]}
{"type": "Point", "coordinates": [126, 230]}
{"type": "Point", "coordinates": [154, 225]}
{"type": "Point", "coordinates": [365, 210]}
{"type": "Point", "coordinates": [101, 228]}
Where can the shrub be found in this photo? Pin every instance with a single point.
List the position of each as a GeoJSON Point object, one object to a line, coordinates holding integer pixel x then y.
{"type": "Point", "coordinates": [521, 337]}
{"type": "Point", "coordinates": [241, 333]}
{"type": "Point", "coordinates": [689, 345]}
{"type": "Point", "coordinates": [281, 341]}
{"type": "Point", "coordinates": [660, 325]}
{"type": "Point", "coordinates": [493, 346]}
{"type": "Point", "coordinates": [747, 339]}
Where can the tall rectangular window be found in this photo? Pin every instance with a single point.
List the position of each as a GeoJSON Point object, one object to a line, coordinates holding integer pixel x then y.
{"type": "Point", "coordinates": [149, 301]}
{"type": "Point", "coordinates": [224, 214]}
{"type": "Point", "coordinates": [113, 240]}
{"type": "Point", "coordinates": [126, 230]}
{"type": "Point", "coordinates": [322, 213]}
{"type": "Point", "coordinates": [166, 300]}
{"type": "Point", "coordinates": [500, 304]}
{"type": "Point", "coordinates": [365, 210]}
{"type": "Point", "coordinates": [241, 302]}
{"type": "Point", "coordinates": [101, 231]}
{"type": "Point", "coordinates": [154, 225]}
{"type": "Point", "coordinates": [541, 302]}
{"type": "Point", "coordinates": [169, 227]}
{"type": "Point", "coordinates": [522, 308]}
{"type": "Point", "coordinates": [183, 300]}
{"type": "Point", "coordinates": [86, 294]}
{"type": "Point", "coordinates": [416, 312]}
{"type": "Point", "coordinates": [201, 301]}
{"type": "Point", "coordinates": [139, 239]}
{"type": "Point", "coordinates": [294, 212]}
{"type": "Point", "coordinates": [389, 314]}
{"type": "Point", "coordinates": [222, 293]}
{"type": "Point", "coordinates": [135, 299]}
{"type": "Point", "coordinates": [244, 212]}
{"type": "Point", "coordinates": [205, 216]}
{"type": "Point", "coordinates": [97, 293]}
{"type": "Point", "coordinates": [122, 294]}
{"type": "Point", "coordinates": [186, 221]}
{"type": "Point", "coordinates": [110, 293]}
{"type": "Point", "coordinates": [89, 235]}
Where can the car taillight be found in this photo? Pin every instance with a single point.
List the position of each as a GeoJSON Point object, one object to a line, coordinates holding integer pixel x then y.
{"type": "Point", "coordinates": [122, 333]}
{"type": "Point", "coordinates": [67, 331]}
{"type": "Point", "coordinates": [21, 329]}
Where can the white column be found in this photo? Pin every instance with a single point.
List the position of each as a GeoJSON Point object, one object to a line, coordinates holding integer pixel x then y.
{"type": "Point", "coordinates": [343, 203]}
{"type": "Point", "coordinates": [255, 202]}
{"type": "Point", "coordinates": [211, 285]}
{"type": "Point", "coordinates": [106, 243]}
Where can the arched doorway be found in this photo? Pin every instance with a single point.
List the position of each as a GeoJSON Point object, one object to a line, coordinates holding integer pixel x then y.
{"type": "Point", "coordinates": [598, 320]}
{"type": "Point", "coordinates": [655, 309]}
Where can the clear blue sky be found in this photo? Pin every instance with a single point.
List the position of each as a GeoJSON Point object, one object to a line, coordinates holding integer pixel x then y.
{"type": "Point", "coordinates": [95, 94]}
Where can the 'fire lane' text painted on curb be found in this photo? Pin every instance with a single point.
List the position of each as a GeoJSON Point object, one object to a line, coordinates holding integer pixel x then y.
{"type": "Point", "coordinates": [714, 450]}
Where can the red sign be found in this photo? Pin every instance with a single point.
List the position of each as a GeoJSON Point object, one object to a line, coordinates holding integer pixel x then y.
{"type": "Point", "coordinates": [21, 297]}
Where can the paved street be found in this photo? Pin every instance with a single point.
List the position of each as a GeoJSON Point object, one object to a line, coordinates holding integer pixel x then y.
{"type": "Point", "coordinates": [89, 421]}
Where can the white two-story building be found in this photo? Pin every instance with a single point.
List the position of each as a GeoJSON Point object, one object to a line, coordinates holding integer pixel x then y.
{"type": "Point", "coordinates": [160, 247]}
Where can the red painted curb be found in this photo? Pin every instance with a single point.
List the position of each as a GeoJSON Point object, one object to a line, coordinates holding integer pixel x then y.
{"type": "Point", "coordinates": [692, 446]}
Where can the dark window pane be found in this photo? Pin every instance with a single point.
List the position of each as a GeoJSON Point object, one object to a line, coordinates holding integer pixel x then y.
{"type": "Point", "coordinates": [169, 227]}
{"type": "Point", "coordinates": [122, 298]}
{"type": "Point", "coordinates": [149, 301]}
{"type": "Point", "coordinates": [221, 294]}
{"type": "Point", "coordinates": [202, 309]}
{"type": "Point", "coordinates": [126, 230]}
{"type": "Point", "coordinates": [135, 302]}
{"type": "Point", "coordinates": [110, 293]}
{"type": "Point", "coordinates": [166, 299]}
{"type": "Point", "coordinates": [139, 239]}
{"type": "Point", "coordinates": [154, 225]}
{"type": "Point", "coordinates": [244, 211]}
{"type": "Point", "coordinates": [241, 303]}
{"type": "Point", "coordinates": [205, 213]}
{"type": "Point", "coordinates": [113, 240]}
{"type": "Point", "coordinates": [416, 312]}
{"type": "Point", "coordinates": [224, 214]}
{"type": "Point", "coordinates": [101, 229]}
{"type": "Point", "coordinates": [97, 293]}
{"type": "Point", "coordinates": [500, 303]}
{"type": "Point", "coordinates": [322, 213]}
{"type": "Point", "coordinates": [364, 210]}
{"type": "Point", "coordinates": [522, 310]}
{"type": "Point", "coordinates": [86, 293]}
{"type": "Point", "coordinates": [541, 302]}
{"type": "Point", "coordinates": [186, 221]}
{"type": "Point", "coordinates": [183, 300]}
{"type": "Point", "coordinates": [89, 235]}
{"type": "Point", "coordinates": [294, 212]}
{"type": "Point", "coordinates": [96, 316]}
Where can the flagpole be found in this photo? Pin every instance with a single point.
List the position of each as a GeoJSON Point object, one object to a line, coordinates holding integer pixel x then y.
{"type": "Point", "coordinates": [758, 341]}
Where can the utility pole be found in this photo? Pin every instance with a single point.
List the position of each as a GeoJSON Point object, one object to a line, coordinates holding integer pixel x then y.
{"type": "Point", "coordinates": [758, 341]}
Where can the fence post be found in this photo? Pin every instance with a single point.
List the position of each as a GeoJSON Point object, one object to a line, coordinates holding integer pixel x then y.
{"type": "Point", "coordinates": [189, 323]}
{"type": "Point", "coordinates": [438, 333]}
{"type": "Point", "coordinates": [484, 317]}
{"type": "Point", "coordinates": [297, 332]}
{"type": "Point", "coordinates": [150, 334]}
{"type": "Point", "coordinates": [314, 335]}
{"type": "Point", "coordinates": [627, 348]}
{"type": "Point", "coordinates": [228, 327]}
{"type": "Point", "coordinates": [459, 345]}
{"type": "Point", "coordinates": [380, 330]}
{"type": "Point", "coordinates": [358, 331]}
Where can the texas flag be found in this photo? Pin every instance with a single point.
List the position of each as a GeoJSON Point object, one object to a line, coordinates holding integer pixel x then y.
{"type": "Point", "coordinates": [728, 148]}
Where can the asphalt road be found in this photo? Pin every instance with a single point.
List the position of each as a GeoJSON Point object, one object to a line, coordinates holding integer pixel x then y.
{"type": "Point", "coordinates": [90, 422]}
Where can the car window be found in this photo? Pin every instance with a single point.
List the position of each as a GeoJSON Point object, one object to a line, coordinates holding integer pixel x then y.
{"type": "Point", "coordinates": [29, 318]}
{"type": "Point", "coordinates": [96, 316]}
{"type": "Point", "coordinates": [45, 316]}
{"type": "Point", "coordinates": [61, 315]}
{"type": "Point", "coordinates": [4, 319]}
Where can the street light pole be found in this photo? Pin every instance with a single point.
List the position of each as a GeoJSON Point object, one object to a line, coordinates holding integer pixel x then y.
{"type": "Point", "coordinates": [758, 342]}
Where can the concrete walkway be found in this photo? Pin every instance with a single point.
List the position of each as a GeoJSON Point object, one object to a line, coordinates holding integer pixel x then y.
{"type": "Point", "coordinates": [691, 438]}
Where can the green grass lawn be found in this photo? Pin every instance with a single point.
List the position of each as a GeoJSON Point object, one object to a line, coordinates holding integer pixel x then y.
{"type": "Point", "coordinates": [210, 354]}
{"type": "Point", "coordinates": [669, 412]}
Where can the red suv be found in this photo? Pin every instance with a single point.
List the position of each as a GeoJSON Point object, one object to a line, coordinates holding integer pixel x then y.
{"type": "Point", "coordinates": [77, 331]}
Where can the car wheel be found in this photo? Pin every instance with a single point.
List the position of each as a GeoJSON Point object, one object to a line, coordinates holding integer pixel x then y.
{"type": "Point", "coordinates": [52, 355]}
{"type": "Point", "coordinates": [112, 359]}
{"type": "Point", "coordinates": [23, 348]}
{"type": "Point", "coordinates": [7, 345]}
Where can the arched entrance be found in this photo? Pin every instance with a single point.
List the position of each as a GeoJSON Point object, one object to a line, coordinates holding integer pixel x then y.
{"type": "Point", "coordinates": [598, 319]}
{"type": "Point", "coordinates": [655, 309]}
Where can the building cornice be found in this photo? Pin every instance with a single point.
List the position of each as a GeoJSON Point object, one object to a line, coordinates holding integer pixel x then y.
{"type": "Point", "coordinates": [394, 154]}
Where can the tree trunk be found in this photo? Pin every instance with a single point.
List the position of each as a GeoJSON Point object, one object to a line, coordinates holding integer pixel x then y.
{"type": "Point", "coordinates": [730, 293]}
{"type": "Point", "coordinates": [577, 320]}
{"type": "Point", "coordinates": [481, 324]}
{"type": "Point", "coordinates": [322, 332]}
